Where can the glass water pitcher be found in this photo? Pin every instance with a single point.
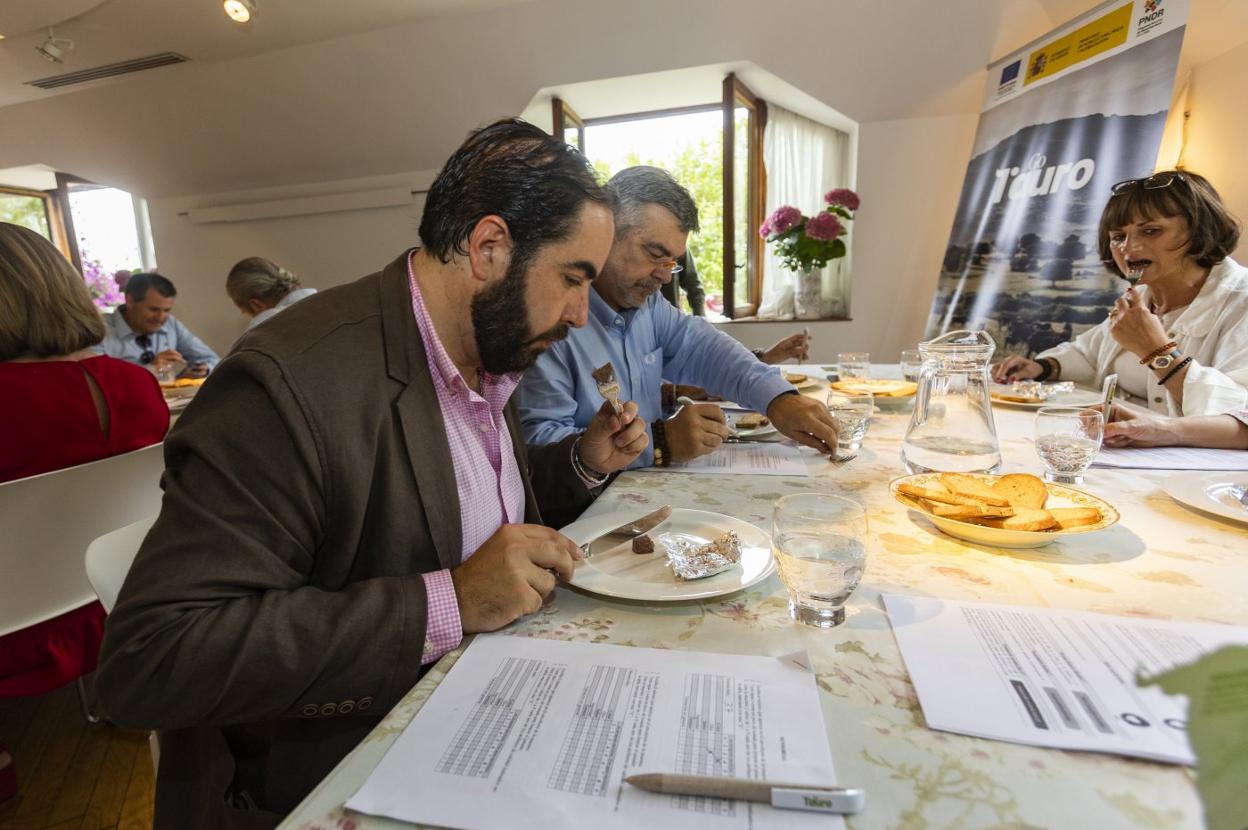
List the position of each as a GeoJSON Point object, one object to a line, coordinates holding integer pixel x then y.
{"type": "Point", "coordinates": [951, 429]}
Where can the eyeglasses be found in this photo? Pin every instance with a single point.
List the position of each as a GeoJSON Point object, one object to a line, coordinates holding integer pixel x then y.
{"type": "Point", "coordinates": [663, 261]}
{"type": "Point", "coordinates": [145, 342]}
{"type": "Point", "coordinates": [1154, 182]}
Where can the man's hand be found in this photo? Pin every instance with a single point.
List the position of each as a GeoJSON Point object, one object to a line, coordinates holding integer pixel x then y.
{"type": "Point", "coordinates": [168, 357]}
{"type": "Point", "coordinates": [1132, 428]}
{"type": "Point", "coordinates": [510, 575]}
{"type": "Point", "coordinates": [1015, 367]}
{"type": "Point", "coordinates": [612, 442]}
{"type": "Point", "coordinates": [695, 430]}
{"type": "Point", "coordinates": [795, 345]}
{"type": "Point", "coordinates": [805, 420]}
{"type": "Point", "coordinates": [1134, 327]}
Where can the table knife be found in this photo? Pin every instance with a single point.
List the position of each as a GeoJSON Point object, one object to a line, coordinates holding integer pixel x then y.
{"type": "Point", "coordinates": [626, 532]}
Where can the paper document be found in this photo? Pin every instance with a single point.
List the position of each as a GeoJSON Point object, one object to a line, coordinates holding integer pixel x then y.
{"type": "Point", "coordinates": [760, 459]}
{"type": "Point", "coordinates": [1041, 676]}
{"type": "Point", "coordinates": [1171, 458]}
{"type": "Point", "coordinates": [530, 733]}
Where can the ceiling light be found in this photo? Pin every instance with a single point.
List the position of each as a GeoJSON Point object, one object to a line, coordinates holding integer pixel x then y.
{"type": "Point", "coordinates": [54, 47]}
{"type": "Point", "coordinates": [240, 11]}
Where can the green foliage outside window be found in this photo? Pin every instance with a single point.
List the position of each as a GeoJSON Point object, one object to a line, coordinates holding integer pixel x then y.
{"type": "Point", "coordinates": [27, 211]}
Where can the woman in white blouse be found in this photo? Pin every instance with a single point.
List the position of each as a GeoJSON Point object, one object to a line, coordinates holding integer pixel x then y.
{"type": "Point", "coordinates": [1178, 339]}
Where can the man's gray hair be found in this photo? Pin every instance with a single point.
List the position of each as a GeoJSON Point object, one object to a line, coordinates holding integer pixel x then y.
{"type": "Point", "coordinates": [636, 187]}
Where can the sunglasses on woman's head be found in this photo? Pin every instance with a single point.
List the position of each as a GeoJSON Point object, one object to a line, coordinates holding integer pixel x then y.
{"type": "Point", "coordinates": [1154, 182]}
{"type": "Point", "coordinates": [145, 342]}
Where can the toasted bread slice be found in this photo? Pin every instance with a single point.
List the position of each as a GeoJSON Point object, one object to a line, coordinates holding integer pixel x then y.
{"type": "Point", "coordinates": [1068, 517]}
{"type": "Point", "coordinates": [1021, 490]}
{"type": "Point", "coordinates": [1023, 519]}
{"type": "Point", "coordinates": [969, 511]}
{"type": "Point", "coordinates": [969, 486]}
{"type": "Point", "coordinates": [935, 492]}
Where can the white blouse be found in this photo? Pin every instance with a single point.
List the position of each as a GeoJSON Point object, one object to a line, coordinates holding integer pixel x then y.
{"type": "Point", "coordinates": [1212, 330]}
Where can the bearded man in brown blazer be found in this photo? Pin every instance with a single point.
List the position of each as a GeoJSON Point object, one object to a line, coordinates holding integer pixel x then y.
{"type": "Point", "coordinates": [349, 493]}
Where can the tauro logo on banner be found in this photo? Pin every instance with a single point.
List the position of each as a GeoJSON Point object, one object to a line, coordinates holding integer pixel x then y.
{"type": "Point", "coordinates": [1036, 179]}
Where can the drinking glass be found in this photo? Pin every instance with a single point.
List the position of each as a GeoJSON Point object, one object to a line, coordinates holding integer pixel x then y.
{"type": "Point", "coordinates": [852, 414]}
{"type": "Point", "coordinates": [1067, 439]}
{"type": "Point", "coordinates": [820, 545]}
{"type": "Point", "coordinates": [911, 364]}
{"type": "Point", "coordinates": [854, 364]}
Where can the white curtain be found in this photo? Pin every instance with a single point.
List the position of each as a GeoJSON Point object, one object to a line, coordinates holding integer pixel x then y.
{"type": "Point", "coordinates": [804, 159]}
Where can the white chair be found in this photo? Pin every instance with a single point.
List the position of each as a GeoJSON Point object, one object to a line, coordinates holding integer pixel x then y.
{"type": "Point", "coordinates": [110, 556]}
{"type": "Point", "coordinates": [47, 521]}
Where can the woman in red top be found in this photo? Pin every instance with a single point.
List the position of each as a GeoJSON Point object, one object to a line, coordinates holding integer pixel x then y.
{"type": "Point", "coordinates": [60, 405]}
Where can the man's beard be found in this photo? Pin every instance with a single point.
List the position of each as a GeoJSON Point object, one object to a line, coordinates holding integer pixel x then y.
{"type": "Point", "coordinates": [500, 322]}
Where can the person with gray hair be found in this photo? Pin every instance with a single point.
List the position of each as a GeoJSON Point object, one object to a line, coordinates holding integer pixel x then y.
{"type": "Point", "coordinates": [647, 340]}
{"type": "Point", "coordinates": [261, 288]}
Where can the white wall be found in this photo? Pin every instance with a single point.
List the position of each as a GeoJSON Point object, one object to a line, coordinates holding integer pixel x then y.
{"type": "Point", "coordinates": [323, 249]}
{"type": "Point", "coordinates": [1218, 129]}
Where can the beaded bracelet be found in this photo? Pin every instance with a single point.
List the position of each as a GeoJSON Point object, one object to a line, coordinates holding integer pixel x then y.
{"type": "Point", "coordinates": [591, 478]}
{"type": "Point", "coordinates": [1159, 351]}
{"type": "Point", "coordinates": [662, 456]}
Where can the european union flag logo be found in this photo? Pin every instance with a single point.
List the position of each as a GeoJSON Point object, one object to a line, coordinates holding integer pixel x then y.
{"type": "Point", "coordinates": [1010, 72]}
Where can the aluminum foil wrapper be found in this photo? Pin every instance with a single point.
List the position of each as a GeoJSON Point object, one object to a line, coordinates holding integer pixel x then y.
{"type": "Point", "coordinates": [1040, 391]}
{"type": "Point", "coordinates": [696, 560]}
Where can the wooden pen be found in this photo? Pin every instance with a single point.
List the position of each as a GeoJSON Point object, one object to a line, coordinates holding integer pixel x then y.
{"type": "Point", "coordinates": [788, 796]}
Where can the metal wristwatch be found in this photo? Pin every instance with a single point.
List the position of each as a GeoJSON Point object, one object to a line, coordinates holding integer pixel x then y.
{"type": "Point", "coordinates": [1164, 361]}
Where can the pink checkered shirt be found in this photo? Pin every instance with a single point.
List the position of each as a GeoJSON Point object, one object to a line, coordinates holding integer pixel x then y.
{"type": "Point", "coordinates": [491, 492]}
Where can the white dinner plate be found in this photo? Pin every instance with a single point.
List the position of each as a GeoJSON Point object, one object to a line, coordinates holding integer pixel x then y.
{"type": "Point", "coordinates": [810, 382]}
{"type": "Point", "coordinates": [623, 574]}
{"type": "Point", "coordinates": [1079, 397]}
{"type": "Point", "coordinates": [1211, 493]}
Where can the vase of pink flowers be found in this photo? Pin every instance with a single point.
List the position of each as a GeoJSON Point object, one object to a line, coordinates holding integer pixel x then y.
{"type": "Point", "coordinates": [806, 244]}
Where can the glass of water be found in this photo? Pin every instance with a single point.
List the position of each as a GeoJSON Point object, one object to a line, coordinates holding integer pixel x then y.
{"type": "Point", "coordinates": [820, 545]}
{"type": "Point", "coordinates": [911, 364]}
{"type": "Point", "coordinates": [854, 364]}
{"type": "Point", "coordinates": [1067, 439]}
{"type": "Point", "coordinates": [852, 414]}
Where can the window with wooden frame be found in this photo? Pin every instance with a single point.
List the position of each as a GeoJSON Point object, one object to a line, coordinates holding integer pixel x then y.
{"type": "Point", "coordinates": [37, 210]}
{"type": "Point", "coordinates": [722, 168]}
{"type": "Point", "coordinates": [745, 117]}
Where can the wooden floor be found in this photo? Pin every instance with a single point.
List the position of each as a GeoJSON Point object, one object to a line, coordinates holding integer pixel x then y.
{"type": "Point", "coordinates": [71, 774]}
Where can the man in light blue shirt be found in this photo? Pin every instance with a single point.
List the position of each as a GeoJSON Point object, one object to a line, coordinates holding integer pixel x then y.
{"type": "Point", "coordinates": [647, 340]}
{"type": "Point", "coordinates": [143, 331]}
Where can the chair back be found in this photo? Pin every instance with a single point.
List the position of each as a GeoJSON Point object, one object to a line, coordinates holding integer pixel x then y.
{"type": "Point", "coordinates": [47, 521]}
{"type": "Point", "coordinates": [109, 559]}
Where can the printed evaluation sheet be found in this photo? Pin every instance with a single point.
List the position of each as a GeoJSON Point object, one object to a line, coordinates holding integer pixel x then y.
{"type": "Point", "coordinates": [1047, 677]}
{"type": "Point", "coordinates": [532, 733]}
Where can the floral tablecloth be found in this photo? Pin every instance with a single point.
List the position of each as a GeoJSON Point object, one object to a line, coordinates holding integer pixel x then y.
{"type": "Point", "coordinates": [1161, 560]}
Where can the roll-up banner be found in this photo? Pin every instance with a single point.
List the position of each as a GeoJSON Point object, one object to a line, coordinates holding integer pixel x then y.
{"type": "Point", "coordinates": [1063, 119]}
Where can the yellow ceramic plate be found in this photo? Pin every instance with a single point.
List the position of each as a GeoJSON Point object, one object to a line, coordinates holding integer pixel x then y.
{"type": "Point", "coordinates": [1059, 496]}
{"type": "Point", "coordinates": [879, 387]}
{"type": "Point", "coordinates": [181, 383]}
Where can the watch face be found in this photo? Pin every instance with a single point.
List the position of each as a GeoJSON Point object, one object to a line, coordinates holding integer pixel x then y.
{"type": "Point", "coordinates": [1161, 361]}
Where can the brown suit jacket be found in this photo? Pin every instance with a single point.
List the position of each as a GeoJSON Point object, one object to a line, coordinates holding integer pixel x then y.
{"type": "Point", "coordinates": [276, 611]}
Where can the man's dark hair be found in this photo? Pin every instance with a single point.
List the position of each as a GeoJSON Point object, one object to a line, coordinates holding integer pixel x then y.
{"type": "Point", "coordinates": [137, 285]}
{"type": "Point", "coordinates": [1212, 231]}
{"type": "Point", "coordinates": [512, 169]}
{"type": "Point", "coordinates": [636, 187]}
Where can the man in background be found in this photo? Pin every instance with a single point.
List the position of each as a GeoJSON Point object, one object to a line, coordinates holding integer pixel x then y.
{"type": "Point", "coordinates": [144, 331]}
{"type": "Point", "coordinates": [647, 341]}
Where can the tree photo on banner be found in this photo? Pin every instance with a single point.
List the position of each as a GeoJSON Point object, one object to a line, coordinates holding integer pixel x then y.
{"type": "Point", "coordinates": [1064, 119]}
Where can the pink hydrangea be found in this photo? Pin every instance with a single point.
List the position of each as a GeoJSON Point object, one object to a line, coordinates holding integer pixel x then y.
{"type": "Point", "coordinates": [825, 227]}
{"type": "Point", "coordinates": [784, 219]}
{"type": "Point", "coordinates": [842, 196]}
{"type": "Point", "coordinates": [764, 230]}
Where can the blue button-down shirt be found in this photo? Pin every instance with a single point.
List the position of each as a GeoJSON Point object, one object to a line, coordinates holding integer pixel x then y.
{"type": "Point", "coordinates": [121, 341]}
{"type": "Point", "coordinates": [647, 345]}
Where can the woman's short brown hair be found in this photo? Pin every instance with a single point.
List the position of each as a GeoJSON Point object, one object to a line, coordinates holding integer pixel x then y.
{"type": "Point", "coordinates": [1212, 231]}
{"type": "Point", "coordinates": [45, 308]}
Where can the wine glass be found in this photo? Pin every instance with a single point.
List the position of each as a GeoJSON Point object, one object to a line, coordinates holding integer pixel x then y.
{"type": "Point", "coordinates": [820, 544]}
{"type": "Point", "coordinates": [1067, 439]}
